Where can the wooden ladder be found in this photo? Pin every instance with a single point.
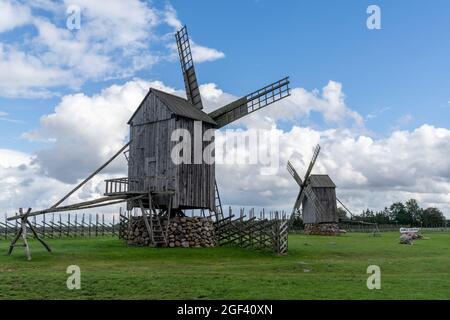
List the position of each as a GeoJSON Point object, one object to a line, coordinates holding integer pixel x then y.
{"type": "Point", "coordinates": [157, 233]}
{"type": "Point", "coordinates": [218, 203]}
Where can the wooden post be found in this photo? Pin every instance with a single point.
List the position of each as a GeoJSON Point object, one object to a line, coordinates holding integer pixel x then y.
{"type": "Point", "coordinates": [113, 223]}
{"type": "Point", "coordinates": [68, 226]}
{"type": "Point", "coordinates": [82, 225]}
{"type": "Point", "coordinates": [96, 224]}
{"type": "Point", "coordinates": [60, 226]}
{"type": "Point", "coordinates": [147, 224]}
{"type": "Point", "coordinates": [23, 232]}
{"type": "Point", "coordinates": [43, 227]}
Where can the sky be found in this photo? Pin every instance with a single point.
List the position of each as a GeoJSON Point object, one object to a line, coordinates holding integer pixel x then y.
{"type": "Point", "coordinates": [377, 100]}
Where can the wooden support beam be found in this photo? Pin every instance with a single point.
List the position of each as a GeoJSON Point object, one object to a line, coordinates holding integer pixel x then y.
{"type": "Point", "coordinates": [147, 224]}
{"type": "Point", "coordinates": [104, 201]}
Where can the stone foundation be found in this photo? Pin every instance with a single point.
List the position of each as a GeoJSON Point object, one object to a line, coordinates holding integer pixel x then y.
{"type": "Point", "coordinates": [182, 232]}
{"type": "Point", "coordinates": [324, 229]}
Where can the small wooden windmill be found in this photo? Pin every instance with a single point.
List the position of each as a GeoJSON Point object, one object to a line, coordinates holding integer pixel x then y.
{"type": "Point", "coordinates": [317, 195]}
{"type": "Point", "coordinates": [155, 184]}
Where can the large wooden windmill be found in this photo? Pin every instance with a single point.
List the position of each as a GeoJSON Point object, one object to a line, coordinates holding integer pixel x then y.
{"type": "Point", "coordinates": [150, 167]}
{"type": "Point", "coordinates": [317, 195]}
{"type": "Point", "coordinates": [155, 184]}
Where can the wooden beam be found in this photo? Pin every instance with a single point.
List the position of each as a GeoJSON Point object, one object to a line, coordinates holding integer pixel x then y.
{"type": "Point", "coordinates": [82, 205]}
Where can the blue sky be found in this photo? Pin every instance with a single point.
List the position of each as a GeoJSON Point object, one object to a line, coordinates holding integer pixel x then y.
{"type": "Point", "coordinates": [396, 78]}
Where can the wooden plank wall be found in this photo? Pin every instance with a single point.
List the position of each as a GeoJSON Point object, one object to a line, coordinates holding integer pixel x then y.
{"type": "Point", "coordinates": [327, 197]}
{"type": "Point", "coordinates": [150, 155]}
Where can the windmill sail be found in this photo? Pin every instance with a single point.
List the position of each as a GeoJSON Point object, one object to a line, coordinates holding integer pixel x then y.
{"type": "Point", "coordinates": [320, 211]}
{"type": "Point", "coordinates": [187, 66]}
{"type": "Point", "coordinates": [313, 161]}
{"type": "Point", "coordinates": [294, 173]}
{"type": "Point", "coordinates": [305, 189]}
{"type": "Point", "coordinates": [252, 102]}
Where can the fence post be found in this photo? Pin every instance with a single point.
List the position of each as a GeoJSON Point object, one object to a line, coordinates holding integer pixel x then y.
{"type": "Point", "coordinates": [43, 226]}
{"type": "Point", "coordinates": [113, 223]}
{"type": "Point", "coordinates": [103, 224]}
{"type": "Point", "coordinates": [6, 226]}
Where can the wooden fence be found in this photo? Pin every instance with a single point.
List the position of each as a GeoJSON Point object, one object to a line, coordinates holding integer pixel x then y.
{"type": "Point", "coordinates": [69, 226]}
{"type": "Point", "coordinates": [355, 227]}
{"type": "Point", "coordinates": [269, 231]}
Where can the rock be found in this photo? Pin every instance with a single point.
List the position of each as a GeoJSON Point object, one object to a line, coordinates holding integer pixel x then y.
{"type": "Point", "coordinates": [406, 239]}
{"type": "Point", "coordinates": [325, 229]}
{"type": "Point", "coordinates": [182, 232]}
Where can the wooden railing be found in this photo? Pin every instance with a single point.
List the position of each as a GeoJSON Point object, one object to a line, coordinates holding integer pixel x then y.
{"type": "Point", "coordinates": [139, 185]}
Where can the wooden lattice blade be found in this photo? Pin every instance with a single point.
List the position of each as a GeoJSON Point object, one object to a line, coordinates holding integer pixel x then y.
{"type": "Point", "coordinates": [252, 102]}
{"type": "Point", "coordinates": [187, 67]}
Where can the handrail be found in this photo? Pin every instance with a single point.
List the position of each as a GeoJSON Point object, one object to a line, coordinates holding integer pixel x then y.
{"type": "Point", "coordinates": [139, 184]}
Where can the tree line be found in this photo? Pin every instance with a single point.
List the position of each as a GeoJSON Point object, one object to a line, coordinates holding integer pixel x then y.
{"type": "Point", "coordinates": [408, 213]}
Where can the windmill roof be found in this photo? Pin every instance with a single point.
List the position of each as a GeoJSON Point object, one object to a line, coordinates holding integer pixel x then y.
{"type": "Point", "coordinates": [178, 106]}
{"type": "Point", "coordinates": [321, 181]}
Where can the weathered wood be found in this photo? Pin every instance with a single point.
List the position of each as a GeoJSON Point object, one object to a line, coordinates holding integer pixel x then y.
{"type": "Point", "coordinates": [36, 236]}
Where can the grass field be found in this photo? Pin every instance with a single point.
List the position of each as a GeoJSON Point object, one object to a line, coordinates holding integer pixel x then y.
{"type": "Point", "coordinates": [315, 268]}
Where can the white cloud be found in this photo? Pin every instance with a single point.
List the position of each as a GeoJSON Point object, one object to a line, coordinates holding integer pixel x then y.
{"type": "Point", "coordinates": [13, 15]}
{"type": "Point", "coordinates": [203, 54]}
{"type": "Point", "coordinates": [27, 75]}
{"type": "Point", "coordinates": [330, 104]}
{"type": "Point", "coordinates": [115, 41]}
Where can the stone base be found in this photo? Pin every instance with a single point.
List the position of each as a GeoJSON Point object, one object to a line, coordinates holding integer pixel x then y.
{"type": "Point", "coordinates": [323, 229]}
{"type": "Point", "coordinates": [182, 232]}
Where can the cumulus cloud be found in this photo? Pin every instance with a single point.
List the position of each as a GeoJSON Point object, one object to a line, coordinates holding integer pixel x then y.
{"type": "Point", "coordinates": [330, 103]}
{"type": "Point", "coordinates": [114, 41]}
{"type": "Point", "coordinates": [24, 185]}
{"type": "Point", "coordinates": [13, 15]}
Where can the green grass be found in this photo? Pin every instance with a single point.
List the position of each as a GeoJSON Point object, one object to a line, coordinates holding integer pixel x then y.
{"type": "Point", "coordinates": [315, 268]}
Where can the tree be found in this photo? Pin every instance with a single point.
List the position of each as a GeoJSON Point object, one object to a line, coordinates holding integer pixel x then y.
{"type": "Point", "coordinates": [297, 223]}
{"type": "Point", "coordinates": [399, 214]}
{"type": "Point", "coordinates": [382, 217]}
{"type": "Point", "coordinates": [342, 214]}
{"type": "Point", "coordinates": [413, 209]}
{"type": "Point", "coordinates": [432, 217]}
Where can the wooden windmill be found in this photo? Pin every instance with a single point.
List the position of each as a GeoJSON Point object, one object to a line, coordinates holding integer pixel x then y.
{"type": "Point", "coordinates": [317, 195]}
{"type": "Point", "coordinates": [150, 167]}
{"type": "Point", "coordinates": [155, 184]}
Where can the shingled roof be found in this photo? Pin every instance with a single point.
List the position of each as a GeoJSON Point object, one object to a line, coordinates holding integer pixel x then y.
{"type": "Point", "coordinates": [321, 181]}
{"type": "Point", "coordinates": [178, 106]}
